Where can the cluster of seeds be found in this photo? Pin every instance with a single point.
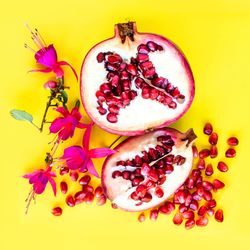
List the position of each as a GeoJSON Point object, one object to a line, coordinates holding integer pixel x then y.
{"type": "Point", "coordinates": [124, 79]}
{"type": "Point", "coordinates": [194, 198]}
{"type": "Point", "coordinates": [150, 170]}
{"type": "Point", "coordinates": [87, 194]}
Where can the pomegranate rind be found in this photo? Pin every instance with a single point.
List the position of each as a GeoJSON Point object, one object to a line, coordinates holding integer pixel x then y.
{"type": "Point", "coordinates": [142, 126]}
{"type": "Point", "coordinates": [113, 187]}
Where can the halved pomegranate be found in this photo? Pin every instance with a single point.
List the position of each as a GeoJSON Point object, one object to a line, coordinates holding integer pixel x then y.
{"type": "Point", "coordinates": [134, 82]}
{"type": "Point", "coordinates": [147, 169]}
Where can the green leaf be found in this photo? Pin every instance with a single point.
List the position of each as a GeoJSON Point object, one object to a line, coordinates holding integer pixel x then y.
{"type": "Point", "coordinates": [21, 115]}
{"type": "Point", "coordinates": [64, 96]}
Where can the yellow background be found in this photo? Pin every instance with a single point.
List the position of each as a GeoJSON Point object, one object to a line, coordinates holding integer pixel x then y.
{"type": "Point", "coordinates": [215, 36]}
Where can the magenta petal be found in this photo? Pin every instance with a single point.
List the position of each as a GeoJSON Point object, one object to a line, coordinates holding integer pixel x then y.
{"type": "Point", "coordinates": [39, 187]}
{"type": "Point", "coordinates": [67, 64]}
{"type": "Point", "coordinates": [47, 70]}
{"type": "Point", "coordinates": [76, 114]}
{"type": "Point", "coordinates": [56, 125]}
{"type": "Point", "coordinates": [100, 152]}
{"type": "Point", "coordinates": [47, 56]}
{"type": "Point", "coordinates": [91, 168]}
{"type": "Point", "coordinates": [86, 136]}
{"type": "Point", "coordinates": [53, 185]}
{"type": "Point", "coordinates": [82, 125]}
{"type": "Point", "coordinates": [63, 111]}
{"type": "Point", "coordinates": [58, 71]}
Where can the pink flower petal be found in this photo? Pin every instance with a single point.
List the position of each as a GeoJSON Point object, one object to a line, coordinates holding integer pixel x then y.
{"type": "Point", "coordinates": [47, 56]}
{"type": "Point", "coordinates": [86, 136]}
{"type": "Point", "coordinates": [39, 187]}
{"type": "Point", "coordinates": [53, 185]}
{"type": "Point", "coordinates": [58, 71]}
{"type": "Point", "coordinates": [91, 168]}
{"type": "Point", "coordinates": [57, 125]}
{"type": "Point", "coordinates": [47, 70]}
{"type": "Point", "coordinates": [82, 125]}
{"type": "Point", "coordinates": [100, 152]}
{"type": "Point", "coordinates": [76, 114]}
{"type": "Point", "coordinates": [67, 64]}
{"type": "Point", "coordinates": [63, 111]}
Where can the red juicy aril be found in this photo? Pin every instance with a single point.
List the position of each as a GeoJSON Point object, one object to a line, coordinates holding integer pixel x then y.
{"type": "Point", "coordinates": [148, 169]}
{"type": "Point", "coordinates": [135, 81]}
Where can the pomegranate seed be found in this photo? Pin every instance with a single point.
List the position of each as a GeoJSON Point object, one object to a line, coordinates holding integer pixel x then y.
{"type": "Point", "coordinates": [159, 192]}
{"type": "Point", "coordinates": [219, 215]}
{"type": "Point", "coordinates": [114, 59]}
{"type": "Point", "coordinates": [188, 200]}
{"type": "Point", "coordinates": [146, 65]}
{"type": "Point", "coordinates": [161, 180]}
{"type": "Point", "coordinates": [217, 184]}
{"type": "Point", "coordinates": [101, 110]}
{"type": "Point", "coordinates": [182, 208]}
{"type": "Point", "coordinates": [179, 197]}
{"type": "Point", "coordinates": [137, 180]}
{"type": "Point", "coordinates": [70, 201]}
{"type": "Point", "coordinates": [189, 224]}
{"type": "Point", "coordinates": [196, 173]}
{"type": "Point", "coordinates": [207, 195]}
{"type": "Point", "coordinates": [213, 152]}
{"type": "Point", "coordinates": [100, 57]}
{"type": "Point", "coordinates": [230, 153]}
{"type": "Point", "coordinates": [172, 105]}
{"type": "Point", "coordinates": [57, 211]}
{"type": "Point", "coordinates": [154, 214]}
{"type": "Point", "coordinates": [89, 198]}
{"type": "Point", "coordinates": [177, 219]}
{"type": "Point", "coordinates": [73, 175]}
{"type": "Point", "coordinates": [201, 164]}
{"type": "Point", "coordinates": [113, 109]}
{"type": "Point", "coordinates": [170, 206]}
{"type": "Point", "coordinates": [195, 151]}
{"type": "Point", "coordinates": [143, 49]}
{"type": "Point", "coordinates": [115, 81]}
{"type": "Point", "coordinates": [222, 166]}
{"type": "Point", "coordinates": [116, 174]}
{"type": "Point", "coordinates": [134, 196]}
{"type": "Point", "coordinates": [147, 197]}
{"type": "Point", "coordinates": [210, 212]}
{"type": "Point", "coordinates": [100, 96]}
{"type": "Point", "coordinates": [202, 221]}
{"type": "Point", "coordinates": [208, 129]}
{"type": "Point", "coordinates": [142, 57]}
{"type": "Point", "coordinates": [159, 48]}
{"type": "Point", "coordinates": [85, 180]}
{"type": "Point", "coordinates": [114, 206]}
{"type": "Point", "coordinates": [87, 188]}
{"type": "Point", "coordinates": [79, 197]}
{"type": "Point", "coordinates": [141, 190]}
{"type": "Point", "coordinates": [169, 159]}
{"type": "Point", "coordinates": [152, 174]}
{"type": "Point", "coordinates": [131, 69]}
{"type": "Point", "coordinates": [64, 170]}
{"type": "Point", "coordinates": [200, 191]}
{"type": "Point", "coordinates": [126, 175]}
{"type": "Point", "coordinates": [188, 215]}
{"type": "Point", "coordinates": [213, 138]}
{"type": "Point", "coordinates": [153, 94]}
{"type": "Point", "coordinates": [105, 88]}
{"type": "Point", "coordinates": [207, 185]}
{"type": "Point", "coordinates": [64, 187]}
{"type": "Point", "coordinates": [141, 217]}
{"type": "Point", "coordinates": [152, 46]}
{"type": "Point", "coordinates": [202, 210]}
{"type": "Point", "coordinates": [211, 203]}
{"type": "Point", "coordinates": [209, 170]}
{"type": "Point", "coordinates": [98, 192]}
{"type": "Point", "coordinates": [101, 200]}
{"type": "Point", "coordinates": [232, 141]}
{"type": "Point", "coordinates": [204, 153]}
{"type": "Point", "coordinates": [196, 196]}
{"type": "Point", "coordinates": [112, 117]}
{"type": "Point", "coordinates": [189, 183]}
{"type": "Point", "coordinates": [194, 205]}
{"type": "Point", "coordinates": [164, 209]}
{"type": "Point", "coordinates": [169, 169]}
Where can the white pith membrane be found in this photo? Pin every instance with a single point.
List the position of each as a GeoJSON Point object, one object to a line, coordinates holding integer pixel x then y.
{"type": "Point", "coordinates": [119, 190]}
{"type": "Point", "coordinates": [141, 114]}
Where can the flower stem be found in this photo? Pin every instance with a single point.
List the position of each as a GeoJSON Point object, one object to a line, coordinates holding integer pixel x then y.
{"type": "Point", "coordinates": [45, 112]}
{"type": "Point", "coordinates": [116, 140]}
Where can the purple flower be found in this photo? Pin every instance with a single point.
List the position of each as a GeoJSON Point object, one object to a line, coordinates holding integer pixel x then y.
{"type": "Point", "coordinates": [80, 157]}
{"type": "Point", "coordinates": [65, 125]}
{"type": "Point", "coordinates": [47, 56]}
{"type": "Point", "coordinates": [40, 178]}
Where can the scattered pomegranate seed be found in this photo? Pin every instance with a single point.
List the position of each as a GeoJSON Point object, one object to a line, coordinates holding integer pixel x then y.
{"type": "Point", "coordinates": [114, 206]}
{"type": "Point", "coordinates": [73, 175]}
{"type": "Point", "coordinates": [208, 129]}
{"type": "Point", "coordinates": [209, 170]}
{"type": "Point", "coordinates": [217, 184]}
{"type": "Point", "coordinates": [211, 203]}
{"type": "Point", "coordinates": [70, 201]}
{"type": "Point", "coordinates": [101, 200]}
{"type": "Point", "coordinates": [64, 170]}
{"type": "Point", "coordinates": [159, 192]}
{"type": "Point", "coordinates": [194, 205]}
{"type": "Point", "coordinates": [210, 212]}
{"type": "Point", "coordinates": [201, 164]}
{"type": "Point", "coordinates": [204, 153]}
{"type": "Point", "coordinates": [183, 208]}
{"type": "Point", "coordinates": [57, 211]}
{"type": "Point", "coordinates": [154, 214]}
{"type": "Point", "coordinates": [213, 138]}
{"type": "Point", "coordinates": [202, 210]}
{"type": "Point", "coordinates": [213, 151]}
{"type": "Point", "coordinates": [232, 141]}
{"type": "Point", "coordinates": [85, 180]}
{"type": "Point", "coordinates": [219, 215]}
{"type": "Point", "coordinates": [98, 192]}
{"type": "Point", "coordinates": [201, 221]}
{"type": "Point", "coordinates": [79, 197]}
{"type": "Point", "coordinates": [87, 188]}
{"type": "Point", "coordinates": [189, 224]}
{"type": "Point", "coordinates": [141, 217]}
{"type": "Point", "coordinates": [195, 151]}
{"type": "Point", "coordinates": [230, 153]}
{"type": "Point", "coordinates": [177, 219]}
{"type": "Point", "coordinates": [207, 185]}
{"type": "Point", "coordinates": [188, 215]}
{"type": "Point", "coordinates": [89, 198]}
{"type": "Point", "coordinates": [64, 187]}
{"type": "Point", "coordinates": [222, 166]}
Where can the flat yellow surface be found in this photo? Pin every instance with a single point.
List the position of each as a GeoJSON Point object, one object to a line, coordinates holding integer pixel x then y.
{"type": "Point", "coordinates": [215, 36]}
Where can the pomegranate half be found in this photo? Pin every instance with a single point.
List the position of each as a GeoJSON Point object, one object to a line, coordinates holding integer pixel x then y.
{"type": "Point", "coordinates": [134, 82]}
{"type": "Point", "coordinates": [147, 169]}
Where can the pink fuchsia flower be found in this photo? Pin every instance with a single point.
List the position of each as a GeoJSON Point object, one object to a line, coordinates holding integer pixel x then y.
{"type": "Point", "coordinates": [65, 125]}
{"type": "Point", "coordinates": [81, 157]}
{"type": "Point", "coordinates": [50, 85]}
{"type": "Point", "coordinates": [40, 178]}
{"type": "Point", "coordinates": [47, 56]}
